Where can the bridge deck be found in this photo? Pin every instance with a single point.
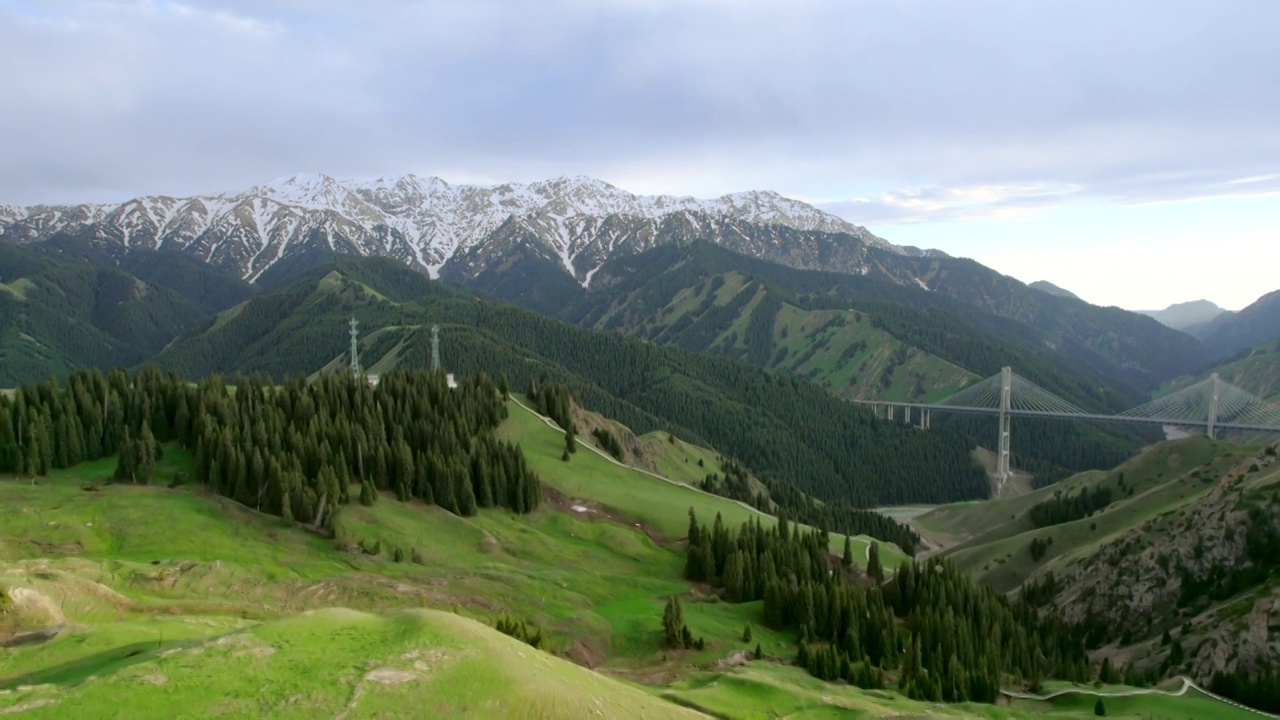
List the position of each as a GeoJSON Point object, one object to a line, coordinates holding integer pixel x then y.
{"type": "Point", "coordinates": [1249, 427]}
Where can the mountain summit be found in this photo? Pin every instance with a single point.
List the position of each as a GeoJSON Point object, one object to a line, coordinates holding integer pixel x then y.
{"type": "Point", "coordinates": [1181, 316]}
{"type": "Point", "coordinates": [427, 223]}
{"type": "Point", "coordinates": [1048, 287]}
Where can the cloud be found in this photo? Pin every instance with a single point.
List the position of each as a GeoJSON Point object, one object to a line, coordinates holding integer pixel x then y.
{"type": "Point", "coordinates": [892, 111]}
{"type": "Point", "coordinates": [967, 202]}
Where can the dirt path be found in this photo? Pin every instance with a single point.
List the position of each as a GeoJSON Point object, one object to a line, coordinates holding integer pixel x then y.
{"type": "Point", "coordinates": [1187, 684]}
{"type": "Point", "coordinates": [552, 424]}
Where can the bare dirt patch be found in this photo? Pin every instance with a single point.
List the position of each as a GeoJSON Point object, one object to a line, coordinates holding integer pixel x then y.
{"type": "Point", "coordinates": [741, 657]}
{"type": "Point", "coordinates": [585, 655]}
{"type": "Point", "coordinates": [34, 602]}
{"type": "Point", "coordinates": [593, 510]}
{"type": "Point", "coordinates": [388, 676]}
{"type": "Point", "coordinates": [31, 705]}
{"type": "Point", "coordinates": [154, 679]}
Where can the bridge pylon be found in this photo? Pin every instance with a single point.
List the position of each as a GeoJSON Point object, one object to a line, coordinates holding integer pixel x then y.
{"type": "Point", "coordinates": [1214, 394]}
{"type": "Point", "coordinates": [1006, 401]}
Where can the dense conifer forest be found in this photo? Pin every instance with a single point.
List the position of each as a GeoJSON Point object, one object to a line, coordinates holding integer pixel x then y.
{"type": "Point", "coordinates": [785, 429]}
{"type": "Point", "coordinates": [1065, 508]}
{"type": "Point", "coordinates": [784, 499]}
{"type": "Point", "coordinates": [293, 450]}
{"type": "Point", "coordinates": [947, 638]}
{"type": "Point", "coordinates": [555, 401]}
{"type": "Point", "coordinates": [1259, 690]}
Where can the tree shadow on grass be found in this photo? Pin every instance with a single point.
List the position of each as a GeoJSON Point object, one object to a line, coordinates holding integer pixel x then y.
{"type": "Point", "coordinates": [103, 663]}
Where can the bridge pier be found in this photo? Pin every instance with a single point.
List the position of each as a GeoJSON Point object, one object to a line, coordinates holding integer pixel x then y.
{"type": "Point", "coordinates": [1006, 397]}
{"type": "Point", "coordinates": [907, 414]}
{"type": "Point", "coordinates": [1213, 404]}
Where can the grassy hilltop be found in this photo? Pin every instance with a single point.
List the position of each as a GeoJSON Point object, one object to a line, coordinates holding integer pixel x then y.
{"type": "Point", "coordinates": [173, 602]}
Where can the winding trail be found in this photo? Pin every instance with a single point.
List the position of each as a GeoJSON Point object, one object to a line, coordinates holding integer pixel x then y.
{"type": "Point", "coordinates": [1187, 684]}
{"type": "Point", "coordinates": [552, 424]}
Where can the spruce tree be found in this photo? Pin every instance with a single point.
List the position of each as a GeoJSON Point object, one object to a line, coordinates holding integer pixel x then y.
{"type": "Point", "coordinates": [146, 453]}
{"type": "Point", "coordinates": [874, 568]}
{"type": "Point", "coordinates": [1100, 708]}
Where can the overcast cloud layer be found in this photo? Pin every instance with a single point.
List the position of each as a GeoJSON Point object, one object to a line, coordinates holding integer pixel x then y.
{"type": "Point", "coordinates": [884, 111]}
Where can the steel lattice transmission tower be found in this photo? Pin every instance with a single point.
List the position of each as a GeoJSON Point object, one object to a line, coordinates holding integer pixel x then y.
{"type": "Point", "coordinates": [355, 347]}
{"type": "Point", "coordinates": [435, 348]}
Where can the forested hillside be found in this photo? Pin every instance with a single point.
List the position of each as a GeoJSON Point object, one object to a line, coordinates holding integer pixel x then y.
{"type": "Point", "coordinates": [731, 315]}
{"type": "Point", "coordinates": [57, 316]}
{"type": "Point", "coordinates": [292, 451]}
{"type": "Point", "coordinates": [859, 337]}
{"type": "Point", "coordinates": [672, 293]}
{"type": "Point", "coordinates": [1118, 348]}
{"type": "Point", "coordinates": [945, 638]}
{"type": "Point", "coordinates": [1230, 333]}
{"type": "Point", "coordinates": [782, 428]}
{"type": "Point", "coordinates": [852, 336]}
{"type": "Point", "coordinates": [1166, 564]}
{"type": "Point", "coordinates": [210, 288]}
{"type": "Point", "coordinates": [1254, 369]}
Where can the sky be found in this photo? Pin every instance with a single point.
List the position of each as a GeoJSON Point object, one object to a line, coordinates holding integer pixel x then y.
{"type": "Point", "coordinates": [1127, 150]}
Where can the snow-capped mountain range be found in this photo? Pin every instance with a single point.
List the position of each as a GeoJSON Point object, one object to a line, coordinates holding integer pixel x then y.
{"type": "Point", "coordinates": [438, 227]}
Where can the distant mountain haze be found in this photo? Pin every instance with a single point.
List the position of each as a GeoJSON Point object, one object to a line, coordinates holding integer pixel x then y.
{"type": "Point", "coordinates": [1230, 333]}
{"type": "Point", "coordinates": [1181, 316]}
{"type": "Point", "coordinates": [1046, 286]}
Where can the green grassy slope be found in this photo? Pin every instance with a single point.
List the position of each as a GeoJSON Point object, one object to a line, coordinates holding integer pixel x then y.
{"type": "Point", "coordinates": [991, 539]}
{"type": "Point", "coordinates": [740, 317]}
{"type": "Point", "coordinates": [662, 506]}
{"type": "Point", "coordinates": [764, 691]}
{"type": "Point", "coordinates": [783, 429]}
{"type": "Point", "coordinates": [176, 603]}
{"type": "Point", "coordinates": [348, 664]}
{"type": "Point", "coordinates": [1255, 370]}
{"type": "Point", "coordinates": [663, 292]}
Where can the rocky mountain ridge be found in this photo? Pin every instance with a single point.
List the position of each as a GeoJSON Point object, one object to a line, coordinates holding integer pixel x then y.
{"type": "Point", "coordinates": [427, 223]}
{"type": "Point", "coordinates": [1200, 572]}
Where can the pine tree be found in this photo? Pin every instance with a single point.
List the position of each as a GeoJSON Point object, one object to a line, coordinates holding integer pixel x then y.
{"type": "Point", "coordinates": [146, 454]}
{"type": "Point", "coordinates": [874, 568]}
{"type": "Point", "coordinates": [368, 495]}
{"type": "Point", "coordinates": [846, 560]}
{"type": "Point", "coordinates": [746, 633]}
{"type": "Point", "coordinates": [1099, 708]}
{"type": "Point", "coordinates": [673, 628]}
{"type": "Point", "coordinates": [126, 460]}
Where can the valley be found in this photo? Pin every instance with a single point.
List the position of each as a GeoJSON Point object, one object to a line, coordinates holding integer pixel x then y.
{"type": "Point", "coordinates": [161, 594]}
{"type": "Point", "coordinates": [639, 360]}
{"type": "Point", "coordinates": [648, 493]}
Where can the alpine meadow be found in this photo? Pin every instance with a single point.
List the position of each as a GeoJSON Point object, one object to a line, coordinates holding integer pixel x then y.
{"type": "Point", "coordinates": [639, 360]}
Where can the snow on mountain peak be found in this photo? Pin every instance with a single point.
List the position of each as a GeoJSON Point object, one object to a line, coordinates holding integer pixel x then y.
{"type": "Point", "coordinates": [423, 221]}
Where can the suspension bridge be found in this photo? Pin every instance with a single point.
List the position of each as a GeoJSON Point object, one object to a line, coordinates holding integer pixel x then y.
{"type": "Point", "coordinates": [1212, 405]}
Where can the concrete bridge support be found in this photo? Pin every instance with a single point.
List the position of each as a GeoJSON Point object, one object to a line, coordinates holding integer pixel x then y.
{"type": "Point", "coordinates": [1006, 396]}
